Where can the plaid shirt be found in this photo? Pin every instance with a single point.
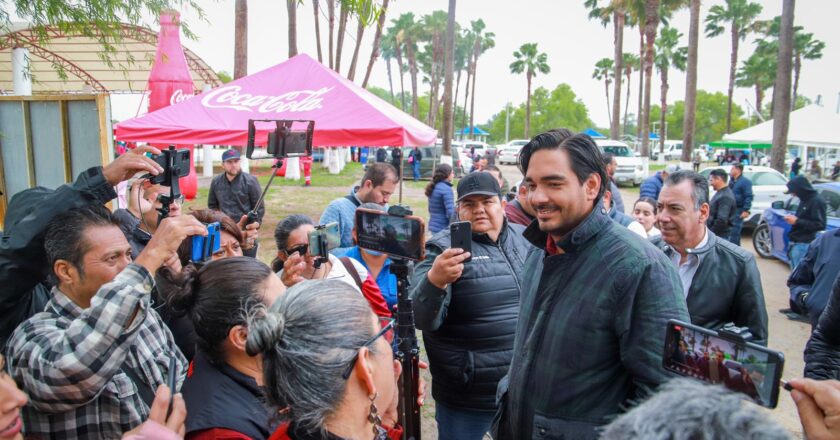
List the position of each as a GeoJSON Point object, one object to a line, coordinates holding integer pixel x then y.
{"type": "Point", "coordinates": [591, 329]}
{"type": "Point", "coordinates": [71, 360]}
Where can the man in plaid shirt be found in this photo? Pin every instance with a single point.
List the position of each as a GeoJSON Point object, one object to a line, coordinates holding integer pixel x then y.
{"type": "Point", "coordinates": [93, 358]}
{"type": "Point", "coordinates": [594, 306]}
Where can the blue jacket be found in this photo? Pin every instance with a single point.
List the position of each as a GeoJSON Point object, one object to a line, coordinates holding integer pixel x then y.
{"type": "Point", "coordinates": [742, 187]}
{"type": "Point", "coordinates": [441, 206]}
{"type": "Point", "coordinates": [651, 186]}
{"type": "Point", "coordinates": [816, 273]}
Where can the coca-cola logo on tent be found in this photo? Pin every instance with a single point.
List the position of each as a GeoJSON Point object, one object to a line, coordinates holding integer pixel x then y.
{"type": "Point", "coordinates": [179, 96]}
{"type": "Point", "coordinates": [296, 101]}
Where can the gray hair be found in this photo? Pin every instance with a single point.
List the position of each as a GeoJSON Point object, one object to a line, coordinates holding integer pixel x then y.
{"type": "Point", "coordinates": [700, 192]}
{"type": "Point", "coordinates": [307, 339]}
{"type": "Point", "coordinates": [686, 409]}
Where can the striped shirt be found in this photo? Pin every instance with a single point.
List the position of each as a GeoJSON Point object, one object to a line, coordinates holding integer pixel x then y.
{"type": "Point", "coordinates": [72, 361]}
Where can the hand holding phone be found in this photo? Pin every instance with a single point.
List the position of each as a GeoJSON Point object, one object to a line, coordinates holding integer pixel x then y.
{"type": "Point", "coordinates": [460, 235]}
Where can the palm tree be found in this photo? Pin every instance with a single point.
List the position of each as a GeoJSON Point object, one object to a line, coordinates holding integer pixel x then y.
{"type": "Point", "coordinates": [781, 89]}
{"type": "Point", "coordinates": [636, 17]}
{"type": "Point", "coordinates": [757, 72]}
{"type": "Point", "coordinates": [483, 41]}
{"type": "Point", "coordinates": [387, 52]}
{"type": "Point", "coordinates": [604, 72]}
{"type": "Point", "coordinates": [291, 9]}
{"type": "Point", "coordinates": [432, 31]}
{"type": "Point", "coordinates": [331, 17]}
{"type": "Point", "coordinates": [408, 36]}
{"type": "Point", "coordinates": [470, 37]}
{"type": "Point", "coordinates": [390, 43]}
{"type": "Point", "coordinates": [615, 11]}
{"type": "Point", "coordinates": [651, 23]}
{"type": "Point", "coordinates": [374, 54]}
{"type": "Point", "coordinates": [449, 66]}
{"type": "Point", "coordinates": [463, 51]}
{"type": "Point", "coordinates": [690, 113]}
{"type": "Point", "coordinates": [530, 61]}
{"type": "Point", "coordinates": [804, 46]}
{"type": "Point", "coordinates": [240, 45]}
{"type": "Point", "coordinates": [343, 15]}
{"type": "Point", "coordinates": [667, 56]}
{"type": "Point", "coordinates": [316, 8]}
{"type": "Point", "coordinates": [741, 16]}
{"type": "Point", "coordinates": [631, 64]}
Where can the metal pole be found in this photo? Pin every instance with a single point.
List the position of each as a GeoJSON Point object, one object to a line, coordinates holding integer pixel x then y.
{"type": "Point", "coordinates": [507, 122]}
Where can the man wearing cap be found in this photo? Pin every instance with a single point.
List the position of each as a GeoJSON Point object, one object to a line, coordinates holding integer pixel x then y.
{"type": "Point", "coordinates": [235, 193]}
{"type": "Point", "coordinates": [468, 310]}
{"type": "Point", "coordinates": [653, 184]}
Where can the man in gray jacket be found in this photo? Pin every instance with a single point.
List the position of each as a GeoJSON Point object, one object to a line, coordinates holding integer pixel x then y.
{"type": "Point", "coordinates": [468, 310]}
{"type": "Point", "coordinates": [721, 282]}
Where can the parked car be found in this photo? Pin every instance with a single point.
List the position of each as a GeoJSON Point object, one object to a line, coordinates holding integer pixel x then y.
{"type": "Point", "coordinates": [630, 166]}
{"type": "Point", "coordinates": [431, 158]}
{"type": "Point", "coordinates": [481, 148]}
{"type": "Point", "coordinates": [769, 185]}
{"type": "Point", "coordinates": [770, 238]}
{"type": "Point", "coordinates": [509, 153]}
{"type": "Point", "coordinates": [673, 150]}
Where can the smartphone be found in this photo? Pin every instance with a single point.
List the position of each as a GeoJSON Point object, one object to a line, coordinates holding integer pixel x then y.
{"type": "Point", "coordinates": [203, 248]}
{"type": "Point", "coordinates": [323, 239]}
{"type": "Point", "coordinates": [717, 358]}
{"type": "Point", "coordinates": [460, 236]}
{"type": "Point", "coordinates": [396, 235]}
{"type": "Point", "coordinates": [170, 382]}
{"type": "Point", "coordinates": [175, 164]}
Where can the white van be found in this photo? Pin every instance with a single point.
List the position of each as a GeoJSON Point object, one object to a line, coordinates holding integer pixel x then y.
{"type": "Point", "coordinates": [673, 150]}
{"type": "Point", "coordinates": [630, 168]}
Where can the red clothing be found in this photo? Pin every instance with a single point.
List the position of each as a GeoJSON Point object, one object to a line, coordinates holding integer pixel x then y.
{"type": "Point", "coordinates": [217, 434]}
{"type": "Point", "coordinates": [373, 295]}
{"type": "Point", "coordinates": [515, 214]}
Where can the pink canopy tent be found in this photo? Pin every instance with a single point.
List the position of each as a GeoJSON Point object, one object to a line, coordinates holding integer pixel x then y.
{"type": "Point", "coordinates": [299, 88]}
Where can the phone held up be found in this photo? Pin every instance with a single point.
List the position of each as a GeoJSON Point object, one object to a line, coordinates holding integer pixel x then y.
{"type": "Point", "coordinates": [203, 248]}
{"type": "Point", "coordinates": [400, 236]}
{"type": "Point", "coordinates": [460, 236]}
{"type": "Point", "coordinates": [724, 357]}
{"type": "Point", "coordinates": [323, 239]}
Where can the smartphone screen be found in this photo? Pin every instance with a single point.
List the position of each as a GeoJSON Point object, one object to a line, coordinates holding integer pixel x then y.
{"type": "Point", "coordinates": [394, 235]}
{"type": "Point", "coordinates": [744, 367]}
{"type": "Point", "coordinates": [460, 234]}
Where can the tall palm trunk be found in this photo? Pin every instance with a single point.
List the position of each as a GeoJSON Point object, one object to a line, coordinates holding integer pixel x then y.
{"type": "Point", "coordinates": [618, 62]}
{"type": "Point", "coordinates": [663, 103]}
{"type": "Point", "coordinates": [398, 54]}
{"type": "Point", "coordinates": [455, 95]}
{"type": "Point", "coordinates": [374, 54]}
{"type": "Point", "coordinates": [733, 65]}
{"type": "Point", "coordinates": [240, 44]}
{"type": "Point", "coordinates": [449, 66]}
{"type": "Point", "coordinates": [781, 90]}
{"type": "Point", "coordinates": [759, 97]}
{"type": "Point", "coordinates": [360, 32]}
{"type": "Point", "coordinates": [331, 15]}
{"type": "Point", "coordinates": [477, 51]}
{"type": "Point", "coordinates": [412, 69]}
{"type": "Point", "coordinates": [651, 22]}
{"type": "Point", "coordinates": [627, 101]}
{"type": "Point", "coordinates": [640, 109]}
{"type": "Point", "coordinates": [690, 113]}
{"type": "Point", "coordinates": [291, 8]}
{"type": "Point", "coordinates": [607, 93]}
{"type": "Point", "coordinates": [390, 80]}
{"type": "Point", "coordinates": [797, 67]}
{"type": "Point", "coordinates": [466, 95]}
{"type": "Point", "coordinates": [343, 14]}
{"type": "Point", "coordinates": [528, 109]}
{"type": "Point", "coordinates": [316, 9]}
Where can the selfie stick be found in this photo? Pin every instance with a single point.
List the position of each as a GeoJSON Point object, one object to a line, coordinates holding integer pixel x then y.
{"type": "Point", "coordinates": [408, 350]}
{"type": "Point", "coordinates": [171, 173]}
{"type": "Point", "coordinates": [252, 214]}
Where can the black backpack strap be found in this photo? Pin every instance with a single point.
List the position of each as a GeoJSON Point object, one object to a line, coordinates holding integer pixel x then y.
{"type": "Point", "coordinates": [351, 269]}
{"type": "Point", "coordinates": [143, 389]}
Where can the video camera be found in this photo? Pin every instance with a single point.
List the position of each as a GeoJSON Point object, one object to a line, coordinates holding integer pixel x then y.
{"type": "Point", "coordinates": [724, 357]}
{"type": "Point", "coordinates": [286, 139]}
{"type": "Point", "coordinates": [175, 164]}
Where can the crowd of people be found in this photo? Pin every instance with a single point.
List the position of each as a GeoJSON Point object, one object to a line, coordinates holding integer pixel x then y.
{"type": "Point", "coordinates": [551, 325]}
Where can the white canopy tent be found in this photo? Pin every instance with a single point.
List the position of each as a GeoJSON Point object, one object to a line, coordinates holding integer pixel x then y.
{"type": "Point", "coordinates": [810, 127]}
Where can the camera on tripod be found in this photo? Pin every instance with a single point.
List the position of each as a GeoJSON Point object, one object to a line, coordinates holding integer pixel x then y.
{"type": "Point", "coordinates": [286, 137]}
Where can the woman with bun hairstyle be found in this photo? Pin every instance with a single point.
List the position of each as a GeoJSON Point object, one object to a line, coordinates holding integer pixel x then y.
{"type": "Point", "coordinates": [328, 365]}
{"type": "Point", "coordinates": [223, 389]}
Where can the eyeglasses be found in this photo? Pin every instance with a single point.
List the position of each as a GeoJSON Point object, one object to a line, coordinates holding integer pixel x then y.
{"type": "Point", "coordinates": [179, 200]}
{"type": "Point", "coordinates": [301, 249]}
{"type": "Point", "coordinates": [387, 331]}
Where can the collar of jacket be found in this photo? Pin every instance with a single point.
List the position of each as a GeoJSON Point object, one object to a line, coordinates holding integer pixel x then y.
{"type": "Point", "coordinates": [597, 220]}
{"type": "Point", "coordinates": [711, 242]}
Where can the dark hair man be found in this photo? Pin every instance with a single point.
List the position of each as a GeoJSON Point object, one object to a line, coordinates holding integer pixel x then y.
{"type": "Point", "coordinates": [653, 184]}
{"type": "Point", "coordinates": [519, 210]}
{"type": "Point", "coordinates": [742, 189]}
{"type": "Point", "coordinates": [722, 209]}
{"type": "Point", "coordinates": [594, 305]}
{"type": "Point", "coordinates": [23, 263]}
{"type": "Point", "coordinates": [236, 193]}
{"type": "Point", "coordinates": [721, 282]}
{"type": "Point", "coordinates": [809, 220]}
{"type": "Point", "coordinates": [378, 184]}
{"type": "Point", "coordinates": [610, 164]}
{"type": "Point", "coordinates": [92, 359]}
{"type": "Point", "coordinates": [396, 161]}
{"type": "Point", "coordinates": [468, 311]}
{"type": "Point", "coordinates": [811, 280]}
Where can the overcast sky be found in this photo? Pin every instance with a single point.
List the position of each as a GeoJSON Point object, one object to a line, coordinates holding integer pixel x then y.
{"type": "Point", "coordinates": [560, 28]}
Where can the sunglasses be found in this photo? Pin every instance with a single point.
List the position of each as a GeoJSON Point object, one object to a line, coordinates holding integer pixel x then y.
{"type": "Point", "coordinates": [179, 200]}
{"type": "Point", "coordinates": [301, 249]}
{"type": "Point", "coordinates": [387, 331]}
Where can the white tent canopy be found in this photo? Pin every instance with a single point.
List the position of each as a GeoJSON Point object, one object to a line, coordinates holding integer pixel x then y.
{"type": "Point", "coordinates": [813, 126]}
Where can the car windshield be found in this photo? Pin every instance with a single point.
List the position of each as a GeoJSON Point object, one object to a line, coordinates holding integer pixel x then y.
{"type": "Point", "coordinates": [764, 178]}
{"type": "Point", "coordinates": [618, 150]}
{"type": "Point", "coordinates": [832, 201]}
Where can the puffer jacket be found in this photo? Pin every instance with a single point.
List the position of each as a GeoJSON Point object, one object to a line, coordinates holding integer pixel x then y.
{"type": "Point", "coordinates": [815, 274]}
{"type": "Point", "coordinates": [441, 206]}
{"type": "Point", "coordinates": [810, 215]}
{"type": "Point", "coordinates": [726, 287]}
{"type": "Point", "coordinates": [822, 354]}
{"type": "Point", "coordinates": [651, 186]}
{"type": "Point", "coordinates": [468, 328]}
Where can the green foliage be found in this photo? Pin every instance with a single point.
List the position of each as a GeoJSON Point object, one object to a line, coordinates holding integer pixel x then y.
{"type": "Point", "coordinates": [740, 14]}
{"type": "Point", "coordinates": [529, 60]}
{"type": "Point", "coordinates": [224, 76]}
{"type": "Point", "coordinates": [710, 117]}
{"type": "Point", "coordinates": [555, 109]}
{"type": "Point", "coordinates": [667, 54]}
{"type": "Point", "coordinates": [603, 70]}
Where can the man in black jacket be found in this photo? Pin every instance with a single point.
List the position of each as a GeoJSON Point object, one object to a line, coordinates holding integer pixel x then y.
{"type": "Point", "coordinates": [810, 283]}
{"type": "Point", "coordinates": [23, 262]}
{"type": "Point", "coordinates": [720, 281]}
{"type": "Point", "coordinates": [468, 310]}
{"type": "Point", "coordinates": [722, 210]}
{"type": "Point", "coordinates": [808, 221]}
{"type": "Point", "coordinates": [822, 354]}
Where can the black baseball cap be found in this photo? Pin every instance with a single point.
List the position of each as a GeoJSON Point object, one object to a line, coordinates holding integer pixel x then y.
{"type": "Point", "coordinates": [480, 183]}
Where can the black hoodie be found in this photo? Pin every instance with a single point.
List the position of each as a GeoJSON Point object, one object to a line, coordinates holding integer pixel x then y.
{"type": "Point", "coordinates": [811, 212]}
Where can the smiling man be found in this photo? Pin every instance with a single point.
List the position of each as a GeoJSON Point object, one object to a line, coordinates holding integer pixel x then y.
{"type": "Point", "coordinates": [594, 306]}
{"type": "Point", "coordinates": [467, 310]}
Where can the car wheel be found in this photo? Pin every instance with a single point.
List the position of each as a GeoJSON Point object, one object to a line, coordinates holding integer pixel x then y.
{"type": "Point", "coordinates": [762, 242]}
